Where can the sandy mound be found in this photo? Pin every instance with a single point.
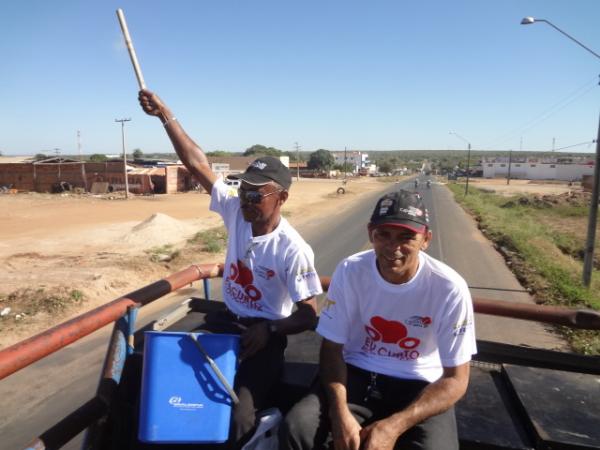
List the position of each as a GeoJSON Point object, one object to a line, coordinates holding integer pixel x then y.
{"type": "Point", "coordinates": [158, 229]}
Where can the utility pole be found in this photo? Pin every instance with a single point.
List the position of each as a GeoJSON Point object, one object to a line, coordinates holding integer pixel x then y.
{"type": "Point", "coordinates": [57, 153]}
{"type": "Point", "coordinates": [509, 165]}
{"type": "Point", "coordinates": [297, 147]}
{"type": "Point", "coordinates": [79, 145]}
{"type": "Point", "coordinates": [345, 166]}
{"type": "Point", "coordinates": [122, 121]}
{"type": "Point", "coordinates": [468, 168]}
{"type": "Point", "coordinates": [83, 176]}
{"type": "Point", "coordinates": [553, 144]}
{"type": "Point", "coordinates": [468, 158]}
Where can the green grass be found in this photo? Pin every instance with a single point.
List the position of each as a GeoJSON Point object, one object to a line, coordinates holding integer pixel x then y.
{"type": "Point", "coordinates": [162, 253]}
{"type": "Point", "coordinates": [29, 301]}
{"type": "Point", "coordinates": [549, 256]}
{"type": "Point", "coordinates": [211, 241]}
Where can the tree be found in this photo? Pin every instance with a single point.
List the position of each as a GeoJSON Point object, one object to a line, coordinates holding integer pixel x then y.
{"type": "Point", "coordinates": [292, 156]}
{"type": "Point", "coordinates": [138, 153]}
{"type": "Point", "coordinates": [321, 160]}
{"type": "Point", "coordinates": [40, 157]}
{"type": "Point", "coordinates": [98, 157]}
{"type": "Point", "coordinates": [385, 166]}
{"type": "Point", "coordinates": [219, 153]}
{"type": "Point", "coordinates": [347, 168]}
{"type": "Point", "coordinates": [258, 149]}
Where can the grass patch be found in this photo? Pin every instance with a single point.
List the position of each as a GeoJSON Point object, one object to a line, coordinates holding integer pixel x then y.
{"type": "Point", "coordinates": [162, 253]}
{"type": "Point", "coordinates": [543, 239]}
{"type": "Point", "coordinates": [211, 241]}
{"type": "Point", "coordinates": [26, 302]}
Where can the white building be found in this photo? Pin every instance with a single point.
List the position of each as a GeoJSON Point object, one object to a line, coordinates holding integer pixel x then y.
{"type": "Point", "coordinates": [354, 159]}
{"type": "Point", "coordinates": [566, 169]}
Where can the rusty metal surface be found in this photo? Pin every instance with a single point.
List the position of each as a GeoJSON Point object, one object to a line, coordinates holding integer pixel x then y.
{"type": "Point", "coordinates": [541, 313]}
{"type": "Point", "coordinates": [35, 348]}
{"type": "Point", "coordinates": [114, 362]}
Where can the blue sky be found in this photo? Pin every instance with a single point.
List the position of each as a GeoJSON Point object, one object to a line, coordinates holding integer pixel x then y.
{"type": "Point", "coordinates": [384, 75]}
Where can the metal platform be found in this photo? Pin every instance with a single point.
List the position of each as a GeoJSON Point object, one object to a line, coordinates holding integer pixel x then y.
{"type": "Point", "coordinates": [562, 409]}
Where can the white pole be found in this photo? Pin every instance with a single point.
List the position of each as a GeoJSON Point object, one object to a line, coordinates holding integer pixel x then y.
{"type": "Point", "coordinates": [129, 43]}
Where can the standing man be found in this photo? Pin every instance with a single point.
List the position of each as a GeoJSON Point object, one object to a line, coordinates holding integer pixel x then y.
{"type": "Point", "coordinates": [398, 337]}
{"type": "Point", "coordinates": [269, 268]}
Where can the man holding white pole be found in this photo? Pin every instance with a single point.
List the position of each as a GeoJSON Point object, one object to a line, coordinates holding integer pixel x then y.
{"type": "Point", "coordinates": [269, 268]}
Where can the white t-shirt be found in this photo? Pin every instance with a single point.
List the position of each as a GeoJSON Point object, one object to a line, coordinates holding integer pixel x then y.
{"type": "Point", "coordinates": [263, 275]}
{"type": "Point", "coordinates": [408, 330]}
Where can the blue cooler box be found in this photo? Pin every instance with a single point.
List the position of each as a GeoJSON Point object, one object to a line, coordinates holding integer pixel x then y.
{"type": "Point", "coordinates": [182, 400]}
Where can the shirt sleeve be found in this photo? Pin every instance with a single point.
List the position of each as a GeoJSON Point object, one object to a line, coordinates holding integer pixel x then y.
{"type": "Point", "coordinates": [224, 201]}
{"type": "Point", "coordinates": [334, 323]}
{"type": "Point", "coordinates": [456, 335]}
{"type": "Point", "coordinates": [303, 281]}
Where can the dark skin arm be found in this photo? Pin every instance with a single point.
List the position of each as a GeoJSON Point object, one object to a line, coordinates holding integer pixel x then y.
{"type": "Point", "coordinates": [383, 434]}
{"type": "Point", "coordinates": [188, 151]}
{"type": "Point", "coordinates": [345, 429]}
{"type": "Point", "coordinates": [256, 336]}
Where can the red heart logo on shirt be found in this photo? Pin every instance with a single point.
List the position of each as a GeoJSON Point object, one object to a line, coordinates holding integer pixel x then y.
{"type": "Point", "coordinates": [390, 330]}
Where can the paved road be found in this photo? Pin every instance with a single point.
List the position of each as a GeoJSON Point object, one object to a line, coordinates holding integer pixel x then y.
{"type": "Point", "coordinates": [37, 396]}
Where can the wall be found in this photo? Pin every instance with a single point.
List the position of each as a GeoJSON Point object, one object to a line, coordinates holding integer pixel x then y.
{"type": "Point", "coordinates": [538, 171]}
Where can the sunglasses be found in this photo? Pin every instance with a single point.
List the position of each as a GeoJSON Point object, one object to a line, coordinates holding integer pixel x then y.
{"type": "Point", "coordinates": [254, 196]}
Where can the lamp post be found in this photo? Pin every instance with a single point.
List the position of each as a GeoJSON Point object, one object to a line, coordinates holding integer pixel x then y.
{"type": "Point", "coordinates": [468, 158]}
{"type": "Point", "coordinates": [122, 121]}
{"type": "Point", "coordinates": [588, 259]}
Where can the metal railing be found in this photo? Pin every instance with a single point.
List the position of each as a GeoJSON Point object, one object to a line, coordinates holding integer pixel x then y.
{"type": "Point", "coordinates": [123, 312]}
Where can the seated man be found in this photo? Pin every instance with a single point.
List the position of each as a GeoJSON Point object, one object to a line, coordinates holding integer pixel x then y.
{"type": "Point", "coordinates": [269, 268]}
{"type": "Point", "coordinates": [398, 336]}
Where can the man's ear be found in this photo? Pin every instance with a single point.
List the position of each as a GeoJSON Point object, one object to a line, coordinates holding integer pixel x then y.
{"type": "Point", "coordinates": [426, 239]}
{"type": "Point", "coordinates": [283, 196]}
{"type": "Point", "coordinates": [370, 231]}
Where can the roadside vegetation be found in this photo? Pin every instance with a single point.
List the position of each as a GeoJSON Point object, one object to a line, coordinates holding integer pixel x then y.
{"type": "Point", "coordinates": [22, 304]}
{"type": "Point", "coordinates": [542, 239]}
{"type": "Point", "coordinates": [210, 241]}
{"type": "Point", "coordinates": [42, 307]}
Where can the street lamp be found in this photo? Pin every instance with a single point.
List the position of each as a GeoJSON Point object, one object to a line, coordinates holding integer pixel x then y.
{"type": "Point", "coordinates": [588, 259]}
{"type": "Point", "coordinates": [468, 158]}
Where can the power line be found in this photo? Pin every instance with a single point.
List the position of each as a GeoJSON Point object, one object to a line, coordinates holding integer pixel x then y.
{"type": "Point", "coordinates": [555, 108]}
{"type": "Point", "coordinates": [593, 141]}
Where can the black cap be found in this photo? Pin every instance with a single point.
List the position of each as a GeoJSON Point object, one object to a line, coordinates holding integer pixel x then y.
{"type": "Point", "coordinates": [402, 209]}
{"type": "Point", "coordinates": [264, 170]}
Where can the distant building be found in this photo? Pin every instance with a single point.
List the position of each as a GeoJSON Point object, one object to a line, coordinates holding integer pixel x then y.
{"type": "Point", "coordinates": [565, 169]}
{"type": "Point", "coordinates": [159, 177]}
{"type": "Point", "coordinates": [355, 159]}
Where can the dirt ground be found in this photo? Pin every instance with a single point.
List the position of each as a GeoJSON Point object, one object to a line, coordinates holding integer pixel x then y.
{"type": "Point", "coordinates": [515, 187]}
{"type": "Point", "coordinates": [65, 254]}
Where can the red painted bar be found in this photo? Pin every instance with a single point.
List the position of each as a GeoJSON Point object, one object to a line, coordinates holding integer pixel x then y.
{"type": "Point", "coordinates": [585, 319]}
{"type": "Point", "coordinates": [35, 348]}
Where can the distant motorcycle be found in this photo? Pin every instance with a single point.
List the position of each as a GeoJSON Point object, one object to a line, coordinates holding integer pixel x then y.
{"type": "Point", "coordinates": [416, 184]}
{"type": "Point", "coordinates": [428, 184]}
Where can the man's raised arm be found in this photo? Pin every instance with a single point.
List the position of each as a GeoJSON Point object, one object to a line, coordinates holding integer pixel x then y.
{"type": "Point", "coordinates": [188, 151]}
